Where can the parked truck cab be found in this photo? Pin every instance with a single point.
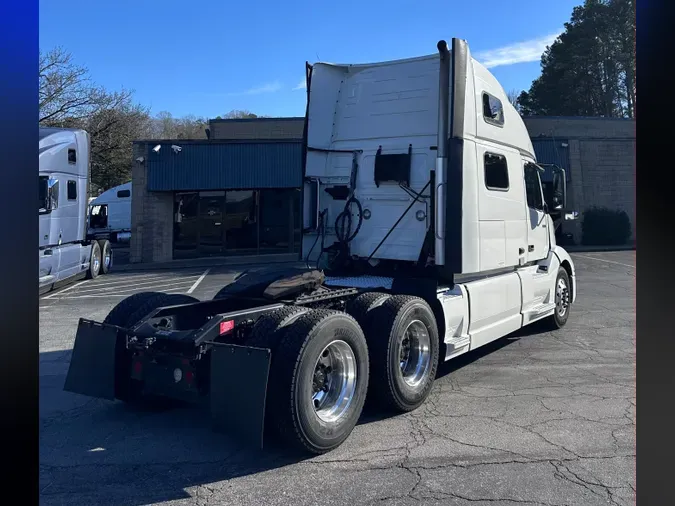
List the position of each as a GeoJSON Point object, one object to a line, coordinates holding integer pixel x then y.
{"type": "Point", "coordinates": [65, 251]}
{"type": "Point", "coordinates": [110, 214]}
{"type": "Point", "coordinates": [426, 235]}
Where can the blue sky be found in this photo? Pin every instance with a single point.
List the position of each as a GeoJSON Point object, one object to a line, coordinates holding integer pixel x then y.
{"type": "Point", "coordinates": [209, 57]}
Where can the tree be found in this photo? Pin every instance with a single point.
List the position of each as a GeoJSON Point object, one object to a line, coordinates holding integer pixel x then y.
{"type": "Point", "coordinates": [237, 114]}
{"type": "Point", "coordinates": [589, 70]}
{"type": "Point", "coordinates": [69, 99]}
{"type": "Point", "coordinates": [513, 98]}
{"type": "Point", "coordinates": [165, 126]}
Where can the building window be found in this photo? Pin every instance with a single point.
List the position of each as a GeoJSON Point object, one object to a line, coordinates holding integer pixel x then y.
{"type": "Point", "coordinates": [533, 188]}
{"type": "Point", "coordinates": [72, 190]}
{"type": "Point", "coordinates": [72, 156]}
{"type": "Point", "coordinates": [493, 112]}
{"type": "Point", "coordinates": [496, 172]}
{"type": "Point", "coordinates": [123, 194]}
{"type": "Point", "coordinates": [277, 220]}
{"type": "Point", "coordinates": [237, 222]}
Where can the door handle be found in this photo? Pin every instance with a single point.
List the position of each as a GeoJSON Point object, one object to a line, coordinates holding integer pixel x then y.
{"type": "Point", "coordinates": [530, 248]}
{"type": "Point", "coordinates": [48, 252]}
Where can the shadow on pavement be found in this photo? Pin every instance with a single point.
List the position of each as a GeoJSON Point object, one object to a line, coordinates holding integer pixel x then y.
{"type": "Point", "coordinates": [111, 453]}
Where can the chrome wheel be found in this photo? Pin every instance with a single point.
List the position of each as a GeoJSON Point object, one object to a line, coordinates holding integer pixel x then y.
{"type": "Point", "coordinates": [415, 353]}
{"type": "Point", "coordinates": [562, 297]}
{"type": "Point", "coordinates": [107, 260]}
{"type": "Point", "coordinates": [334, 381]}
{"type": "Point", "coordinates": [97, 262]}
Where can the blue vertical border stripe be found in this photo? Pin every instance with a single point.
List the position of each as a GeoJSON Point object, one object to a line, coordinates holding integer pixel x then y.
{"type": "Point", "coordinates": [18, 258]}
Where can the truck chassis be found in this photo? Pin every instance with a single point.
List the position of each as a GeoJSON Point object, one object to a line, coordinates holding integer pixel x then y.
{"type": "Point", "coordinates": [291, 352]}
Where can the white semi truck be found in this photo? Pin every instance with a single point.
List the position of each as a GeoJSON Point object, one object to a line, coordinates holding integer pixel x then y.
{"type": "Point", "coordinates": [110, 214]}
{"type": "Point", "coordinates": [425, 216]}
{"type": "Point", "coordinates": [66, 250]}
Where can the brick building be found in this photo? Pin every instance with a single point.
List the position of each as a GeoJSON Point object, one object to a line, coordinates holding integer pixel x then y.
{"type": "Point", "coordinates": [238, 193]}
{"type": "Point", "coordinates": [218, 197]}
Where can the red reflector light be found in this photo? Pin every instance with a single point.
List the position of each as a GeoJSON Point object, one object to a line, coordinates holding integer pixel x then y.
{"type": "Point", "coordinates": [189, 376]}
{"type": "Point", "coordinates": [226, 327]}
{"type": "Point", "coordinates": [138, 367]}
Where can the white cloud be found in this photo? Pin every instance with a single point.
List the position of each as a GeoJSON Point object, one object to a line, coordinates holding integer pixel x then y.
{"type": "Point", "coordinates": [518, 52]}
{"type": "Point", "coordinates": [272, 87]}
{"type": "Point", "coordinates": [302, 85]}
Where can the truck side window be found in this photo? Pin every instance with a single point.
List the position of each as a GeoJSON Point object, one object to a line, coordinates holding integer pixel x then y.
{"type": "Point", "coordinates": [533, 188]}
{"type": "Point", "coordinates": [72, 156]}
{"type": "Point", "coordinates": [496, 172]}
{"type": "Point", "coordinates": [493, 112]}
{"type": "Point", "coordinates": [43, 205]}
{"type": "Point", "coordinates": [123, 194]}
{"type": "Point", "coordinates": [72, 190]}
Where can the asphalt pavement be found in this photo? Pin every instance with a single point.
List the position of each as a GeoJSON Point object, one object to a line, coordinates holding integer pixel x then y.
{"type": "Point", "coordinates": [535, 418]}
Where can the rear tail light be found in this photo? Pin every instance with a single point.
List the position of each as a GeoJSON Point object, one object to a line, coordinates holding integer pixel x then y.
{"type": "Point", "coordinates": [226, 327]}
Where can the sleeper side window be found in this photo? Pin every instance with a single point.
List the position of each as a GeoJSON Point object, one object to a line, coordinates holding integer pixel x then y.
{"type": "Point", "coordinates": [493, 112]}
{"type": "Point", "coordinates": [496, 172]}
{"type": "Point", "coordinates": [72, 190]}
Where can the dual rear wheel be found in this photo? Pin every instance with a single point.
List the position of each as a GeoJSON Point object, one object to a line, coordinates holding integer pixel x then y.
{"type": "Point", "coordinates": [326, 364]}
{"type": "Point", "coordinates": [100, 258]}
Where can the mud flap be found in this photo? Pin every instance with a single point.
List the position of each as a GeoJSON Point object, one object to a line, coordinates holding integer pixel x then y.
{"type": "Point", "coordinates": [92, 364]}
{"type": "Point", "coordinates": [238, 390]}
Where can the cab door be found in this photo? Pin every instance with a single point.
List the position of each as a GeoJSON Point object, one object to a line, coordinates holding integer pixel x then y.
{"type": "Point", "coordinates": [538, 244]}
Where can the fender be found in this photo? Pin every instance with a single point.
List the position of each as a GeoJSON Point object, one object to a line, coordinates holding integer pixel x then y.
{"type": "Point", "coordinates": [567, 262]}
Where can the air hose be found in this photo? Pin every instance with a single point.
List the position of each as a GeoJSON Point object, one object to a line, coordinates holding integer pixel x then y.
{"type": "Point", "coordinates": [343, 232]}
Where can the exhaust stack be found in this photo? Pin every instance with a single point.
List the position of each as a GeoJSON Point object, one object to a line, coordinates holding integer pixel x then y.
{"type": "Point", "coordinates": [442, 152]}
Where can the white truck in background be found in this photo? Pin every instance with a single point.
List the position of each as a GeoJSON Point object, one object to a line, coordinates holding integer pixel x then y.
{"type": "Point", "coordinates": [110, 214]}
{"type": "Point", "coordinates": [424, 213]}
{"type": "Point", "coordinates": [66, 251]}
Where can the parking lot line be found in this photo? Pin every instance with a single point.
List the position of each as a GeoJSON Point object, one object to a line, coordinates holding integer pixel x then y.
{"type": "Point", "coordinates": [65, 289]}
{"type": "Point", "coordinates": [201, 278]}
{"type": "Point", "coordinates": [99, 296]}
{"type": "Point", "coordinates": [113, 280]}
{"type": "Point", "coordinates": [156, 281]}
{"type": "Point", "coordinates": [607, 261]}
{"type": "Point", "coordinates": [182, 285]}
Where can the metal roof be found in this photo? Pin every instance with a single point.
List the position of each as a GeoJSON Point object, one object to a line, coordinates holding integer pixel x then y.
{"type": "Point", "coordinates": [213, 165]}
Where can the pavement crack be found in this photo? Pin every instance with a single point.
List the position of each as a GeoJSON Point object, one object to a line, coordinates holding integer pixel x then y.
{"type": "Point", "coordinates": [586, 484]}
{"type": "Point", "coordinates": [440, 495]}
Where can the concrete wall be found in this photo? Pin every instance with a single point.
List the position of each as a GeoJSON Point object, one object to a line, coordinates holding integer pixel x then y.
{"type": "Point", "coordinates": [602, 163]}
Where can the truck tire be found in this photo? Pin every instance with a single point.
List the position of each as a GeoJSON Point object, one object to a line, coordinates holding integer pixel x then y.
{"type": "Point", "coordinates": [94, 261]}
{"type": "Point", "coordinates": [562, 295]}
{"type": "Point", "coordinates": [119, 315]}
{"type": "Point", "coordinates": [106, 255]}
{"type": "Point", "coordinates": [362, 306]}
{"type": "Point", "coordinates": [404, 345]}
{"type": "Point", "coordinates": [160, 300]}
{"type": "Point", "coordinates": [318, 381]}
{"type": "Point", "coordinates": [269, 328]}
{"type": "Point", "coordinates": [126, 314]}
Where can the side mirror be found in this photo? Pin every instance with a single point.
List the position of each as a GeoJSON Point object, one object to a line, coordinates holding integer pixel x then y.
{"type": "Point", "coordinates": [52, 194]}
{"type": "Point", "coordinates": [559, 190]}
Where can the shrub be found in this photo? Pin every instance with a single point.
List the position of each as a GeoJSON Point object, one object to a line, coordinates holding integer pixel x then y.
{"type": "Point", "coordinates": [605, 227]}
